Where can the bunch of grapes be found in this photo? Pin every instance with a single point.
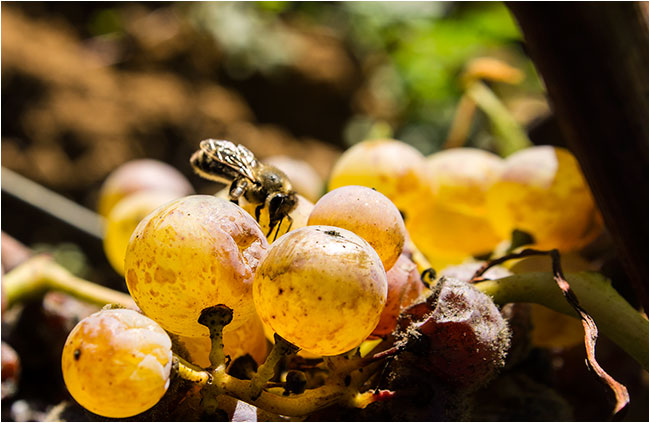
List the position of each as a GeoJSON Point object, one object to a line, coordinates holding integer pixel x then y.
{"type": "Point", "coordinates": [328, 277]}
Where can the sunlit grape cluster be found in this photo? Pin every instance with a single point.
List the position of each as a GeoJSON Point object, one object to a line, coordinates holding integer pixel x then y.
{"type": "Point", "coordinates": [336, 271]}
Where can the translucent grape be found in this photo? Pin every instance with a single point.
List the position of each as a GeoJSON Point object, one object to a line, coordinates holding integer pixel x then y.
{"type": "Point", "coordinates": [543, 192]}
{"type": "Point", "coordinates": [303, 177]}
{"type": "Point", "coordinates": [141, 175]}
{"type": "Point", "coordinates": [391, 167]}
{"type": "Point", "coordinates": [117, 363]}
{"type": "Point", "coordinates": [404, 287]}
{"type": "Point", "coordinates": [459, 178]}
{"type": "Point", "coordinates": [193, 253]}
{"type": "Point", "coordinates": [448, 220]}
{"type": "Point", "coordinates": [447, 236]}
{"type": "Point", "coordinates": [123, 219]}
{"type": "Point", "coordinates": [367, 213]}
{"type": "Point", "coordinates": [248, 339]}
{"type": "Point", "coordinates": [322, 288]}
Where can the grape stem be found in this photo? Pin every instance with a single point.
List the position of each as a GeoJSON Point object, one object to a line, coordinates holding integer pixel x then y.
{"type": "Point", "coordinates": [41, 273]}
{"type": "Point", "coordinates": [281, 348]}
{"type": "Point", "coordinates": [615, 317]}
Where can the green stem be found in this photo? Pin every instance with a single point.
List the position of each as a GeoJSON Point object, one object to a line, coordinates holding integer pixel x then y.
{"type": "Point", "coordinates": [40, 274]}
{"type": "Point", "coordinates": [614, 316]}
{"type": "Point", "coordinates": [510, 137]}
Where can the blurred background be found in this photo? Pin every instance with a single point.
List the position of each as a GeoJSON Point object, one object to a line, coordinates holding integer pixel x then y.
{"type": "Point", "coordinates": [89, 86]}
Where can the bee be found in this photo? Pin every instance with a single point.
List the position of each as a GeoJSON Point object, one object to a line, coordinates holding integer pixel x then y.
{"type": "Point", "coordinates": [260, 184]}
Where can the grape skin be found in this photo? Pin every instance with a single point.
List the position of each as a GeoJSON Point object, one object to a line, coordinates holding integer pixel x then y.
{"type": "Point", "coordinates": [141, 175]}
{"type": "Point", "coordinates": [193, 253]}
{"type": "Point", "coordinates": [123, 219]}
{"type": "Point", "coordinates": [117, 363]}
{"type": "Point", "coordinates": [448, 220]}
{"type": "Point", "coordinates": [391, 167]}
{"type": "Point", "coordinates": [460, 177]}
{"type": "Point", "coordinates": [367, 213]}
{"type": "Point", "coordinates": [543, 192]}
{"type": "Point", "coordinates": [321, 288]}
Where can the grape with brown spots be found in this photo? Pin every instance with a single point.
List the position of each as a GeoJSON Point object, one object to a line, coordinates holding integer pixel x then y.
{"type": "Point", "coordinates": [117, 363]}
{"type": "Point", "coordinates": [321, 288]}
{"type": "Point", "coordinates": [367, 213]}
{"type": "Point", "coordinates": [193, 253]}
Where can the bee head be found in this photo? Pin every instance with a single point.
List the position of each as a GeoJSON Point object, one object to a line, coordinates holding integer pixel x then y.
{"type": "Point", "coordinates": [281, 204]}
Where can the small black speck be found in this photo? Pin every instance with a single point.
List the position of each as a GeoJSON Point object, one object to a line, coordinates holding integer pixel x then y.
{"type": "Point", "coordinates": [347, 380]}
{"type": "Point", "coordinates": [280, 291]}
{"type": "Point", "coordinates": [77, 354]}
{"type": "Point", "coordinates": [320, 298]}
{"type": "Point", "coordinates": [333, 233]}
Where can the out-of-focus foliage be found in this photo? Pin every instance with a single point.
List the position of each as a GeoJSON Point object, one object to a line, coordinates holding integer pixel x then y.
{"type": "Point", "coordinates": [411, 55]}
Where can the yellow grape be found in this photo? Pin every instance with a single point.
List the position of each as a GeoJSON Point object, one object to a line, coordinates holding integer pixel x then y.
{"type": "Point", "coordinates": [404, 287]}
{"type": "Point", "coordinates": [117, 363]}
{"type": "Point", "coordinates": [367, 213]}
{"type": "Point", "coordinates": [303, 177]}
{"type": "Point", "coordinates": [141, 175]}
{"type": "Point", "coordinates": [248, 339]}
{"type": "Point", "coordinates": [321, 288]}
{"type": "Point", "coordinates": [391, 167]}
{"type": "Point", "coordinates": [543, 192]}
{"type": "Point", "coordinates": [447, 236]}
{"type": "Point", "coordinates": [459, 178]}
{"type": "Point", "coordinates": [193, 253]}
{"type": "Point", "coordinates": [124, 217]}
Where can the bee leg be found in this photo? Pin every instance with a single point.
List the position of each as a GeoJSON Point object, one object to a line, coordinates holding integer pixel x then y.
{"type": "Point", "coordinates": [237, 189]}
{"type": "Point", "coordinates": [258, 210]}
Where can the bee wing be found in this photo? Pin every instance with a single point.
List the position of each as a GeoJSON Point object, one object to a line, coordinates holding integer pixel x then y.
{"type": "Point", "coordinates": [237, 157]}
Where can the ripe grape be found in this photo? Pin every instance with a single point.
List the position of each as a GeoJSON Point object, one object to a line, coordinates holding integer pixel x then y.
{"type": "Point", "coordinates": [459, 178]}
{"type": "Point", "coordinates": [124, 217]}
{"type": "Point", "coordinates": [299, 214]}
{"type": "Point", "coordinates": [193, 253]}
{"type": "Point", "coordinates": [404, 288]}
{"type": "Point", "coordinates": [448, 221]}
{"type": "Point", "coordinates": [303, 177]}
{"type": "Point", "coordinates": [117, 363]}
{"type": "Point", "coordinates": [446, 236]}
{"type": "Point", "coordinates": [321, 288]}
{"type": "Point", "coordinates": [543, 192]}
{"type": "Point", "coordinates": [367, 213]}
{"type": "Point", "coordinates": [391, 167]}
{"type": "Point", "coordinates": [141, 175]}
{"type": "Point", "coordinates": [248, 339]}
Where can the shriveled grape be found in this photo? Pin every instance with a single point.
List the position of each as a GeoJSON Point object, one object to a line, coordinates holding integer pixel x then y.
{"type": "Point", "coordinates": [543, 192]}
{"type": "Point", "coordinates": [117, 363]}
{"type": "Point", "coordinates": [367, 213]}
{"type": "Point", "coordinates": [123, 219]}
{"type": "Point", "coordinates": [141, 175]}
{"type": "Point", "coordinates": [322, 288]}
{"type": "Point", "coordinates": [193, 253]}
{"type": "Point", "coordinates": [391, 167]}
{"type": "Point", "coordinates": [404, 287]}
